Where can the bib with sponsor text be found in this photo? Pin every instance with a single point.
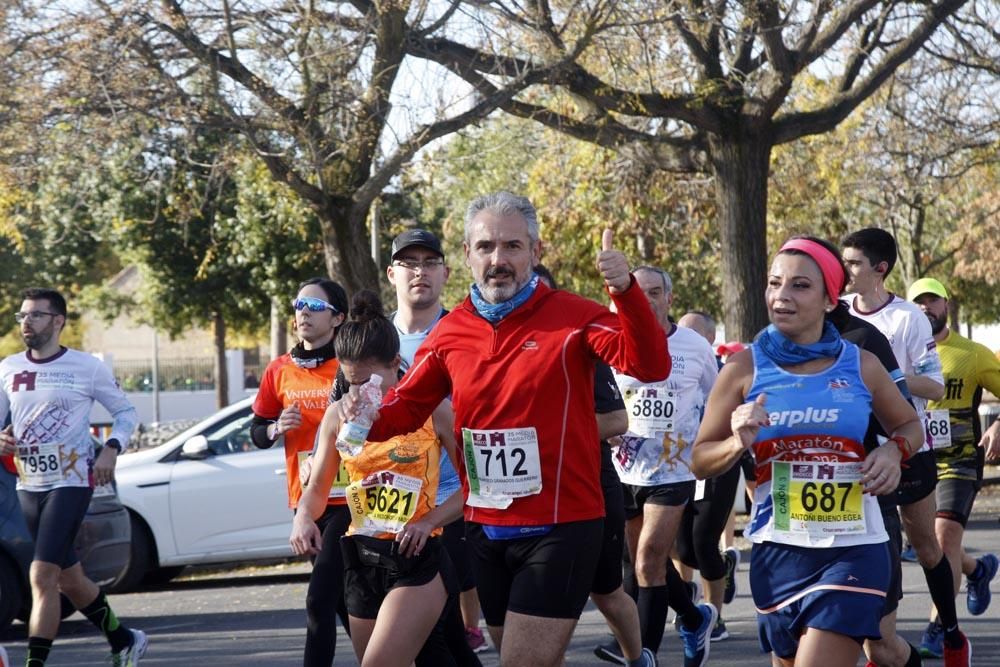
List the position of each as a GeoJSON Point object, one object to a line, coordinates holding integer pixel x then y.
{"type": "Point", "coordinates": [382, 502]}
{"type": "Point", "coordinates": [817, 498]}
{"type": "Point", "coordinates": [502, 464]}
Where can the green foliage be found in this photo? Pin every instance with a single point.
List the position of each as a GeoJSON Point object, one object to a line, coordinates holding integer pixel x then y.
{"type": "Point", "coordinates": [578, 189]}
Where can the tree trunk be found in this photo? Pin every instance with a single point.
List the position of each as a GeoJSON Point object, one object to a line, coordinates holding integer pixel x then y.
{"type": "Point", "coordinates": [741, 165]}
{"type": "Point", "coordinates": [279, 329]}
{"type": "Point", "coordinates": [346, 247]}
{"type": "Point", "coordinates": [221, 368]}
{"type": "Point", "coordinates": [954, 311]}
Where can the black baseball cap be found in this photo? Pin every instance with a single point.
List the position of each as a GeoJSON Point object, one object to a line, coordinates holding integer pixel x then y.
{"type": "Point", "coordinates": [417, 237]}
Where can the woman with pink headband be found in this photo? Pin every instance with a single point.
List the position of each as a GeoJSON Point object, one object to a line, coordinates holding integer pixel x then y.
{"type": "Point", "coordinates": [799, 399]}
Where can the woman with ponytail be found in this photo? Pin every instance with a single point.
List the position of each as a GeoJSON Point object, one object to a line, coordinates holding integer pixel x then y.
{"type": "Point", "coordinates": [393, 581]}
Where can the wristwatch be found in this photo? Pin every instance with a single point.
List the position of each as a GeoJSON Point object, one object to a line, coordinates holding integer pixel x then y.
{"type": "Point", "coordinates": [114, 444]}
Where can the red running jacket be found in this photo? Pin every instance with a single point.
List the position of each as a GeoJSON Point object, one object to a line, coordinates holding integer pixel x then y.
{"type": "Point", "coordinates": [534, 368]}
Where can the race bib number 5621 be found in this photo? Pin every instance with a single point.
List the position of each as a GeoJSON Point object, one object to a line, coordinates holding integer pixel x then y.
{"type": "Point", "coordinates": [383, 502]}
{"type": "Point", "coordinates": [502, 462]}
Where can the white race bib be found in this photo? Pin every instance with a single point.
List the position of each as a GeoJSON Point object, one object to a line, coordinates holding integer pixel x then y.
{"type": "Point", "coordinates": [937, 426]}
{"type": "Point", "coordinates": [502, 464]}
{"type": "Point", "coordinates": [650, 410]}
{"type": "Point", "coordinates": [40, 464]}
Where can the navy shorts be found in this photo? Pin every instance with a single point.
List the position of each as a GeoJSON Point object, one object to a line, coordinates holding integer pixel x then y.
{"type": "Point", "coordinates": [840, 589]}
{"type": "Point", "coordinates": [54, 518]}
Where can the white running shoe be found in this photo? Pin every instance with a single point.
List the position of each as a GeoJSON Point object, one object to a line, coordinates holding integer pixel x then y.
{"type": "Point", "coordinates": [129, 657]}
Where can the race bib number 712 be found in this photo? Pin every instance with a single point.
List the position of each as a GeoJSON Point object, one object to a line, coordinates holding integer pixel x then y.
{"type": "Point", "coordinates": [502, 462]}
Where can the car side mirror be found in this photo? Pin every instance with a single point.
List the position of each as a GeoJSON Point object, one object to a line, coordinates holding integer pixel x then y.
{"type": "Point", "coordinates": [196, 447]}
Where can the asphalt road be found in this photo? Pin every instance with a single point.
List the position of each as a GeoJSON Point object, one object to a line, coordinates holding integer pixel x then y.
{"type": "Point", "coordinates": [254, 616]}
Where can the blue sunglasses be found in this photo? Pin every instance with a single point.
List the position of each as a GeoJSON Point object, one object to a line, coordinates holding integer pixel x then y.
{"type": "Point", "coordinates": [313, 304]}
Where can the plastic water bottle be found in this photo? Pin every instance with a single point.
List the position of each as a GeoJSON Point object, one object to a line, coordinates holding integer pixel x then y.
{"type": "Point", "coordinates": [352, 435]}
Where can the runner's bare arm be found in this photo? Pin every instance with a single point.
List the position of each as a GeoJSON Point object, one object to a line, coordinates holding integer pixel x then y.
{"type": "Point", "coordinates": [610, 424]}
{"type": "Point", "coordinates": [719, 445]}
{"type": "Point", "coordinates": [305, 537]}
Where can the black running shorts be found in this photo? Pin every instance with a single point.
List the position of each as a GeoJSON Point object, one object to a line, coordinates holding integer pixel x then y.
{"type": "Point", "coordinates": [373, 567]}
{"type": "Point", "coordinates": [918, 479]}
{"type": "Point", "coordinates": [54, 518]}
{"type": "Point", "coordinates": [676, 494]}
{"type": "Point", "coordinates": [549, 575]}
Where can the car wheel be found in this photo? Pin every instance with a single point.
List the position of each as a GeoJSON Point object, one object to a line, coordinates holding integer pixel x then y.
{"type": "Point", "coordinates": [141, 558]}
{"type": "Point", "coordinates": [12, 592]}
{"type": "Point", "coordinates": [162, 575]}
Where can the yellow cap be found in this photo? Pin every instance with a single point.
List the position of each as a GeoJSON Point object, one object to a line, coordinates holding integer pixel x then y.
{"type": "Point", "coordinates": [926, 286]}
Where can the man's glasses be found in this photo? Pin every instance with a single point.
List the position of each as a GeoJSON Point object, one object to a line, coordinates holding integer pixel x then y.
{"type": "Point", "coordinates": [313, 304]}
{"type": "Point", "coordinates": [33, 316]}
{"type": "Point", "coordinates": [413, 265]}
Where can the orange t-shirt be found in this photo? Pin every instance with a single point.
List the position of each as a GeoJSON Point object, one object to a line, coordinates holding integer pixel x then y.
{"type": "Point", "coordinates": [283, 384]}
{"type": "Point", "coordinates": [393, 483]}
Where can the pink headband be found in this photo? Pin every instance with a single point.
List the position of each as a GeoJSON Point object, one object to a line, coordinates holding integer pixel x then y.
{"type": "Point", "coordinates": [829, 265]}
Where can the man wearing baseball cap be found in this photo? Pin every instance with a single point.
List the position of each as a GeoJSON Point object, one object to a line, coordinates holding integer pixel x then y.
{"type": "Point", "coordinates": [960, 447]}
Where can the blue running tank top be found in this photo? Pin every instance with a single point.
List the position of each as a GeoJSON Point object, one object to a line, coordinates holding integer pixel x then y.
{"type": "Point", "coordinates": [819, 421]}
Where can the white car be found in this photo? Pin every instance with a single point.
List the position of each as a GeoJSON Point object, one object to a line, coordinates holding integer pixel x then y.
{"type": "Point", "coordinates": [207, 495]}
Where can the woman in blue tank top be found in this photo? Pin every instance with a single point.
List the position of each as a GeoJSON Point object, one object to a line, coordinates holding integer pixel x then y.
{"type": "Point", "coordinates": [799, 400]}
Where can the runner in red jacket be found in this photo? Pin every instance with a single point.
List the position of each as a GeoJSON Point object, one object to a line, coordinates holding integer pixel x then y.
{"type": "Point", "coordinates": [518, 361]}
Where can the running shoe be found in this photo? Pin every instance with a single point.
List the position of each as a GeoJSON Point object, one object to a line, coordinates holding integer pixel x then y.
{"type": "Point", "coordinates": [932, 643]}
{"type": "Point", "coordinates": [959, 657]}
{"type": "Point", "coordinates": [977, 591]}
{"type": "Point", "coordinates": [129, 657]}
{"type": "Point", "coordinates": [732, 558]}
{"type": "Point", "coordinates": [719, 632]}
{"type": "Point", "coordinates": [476, 640]}
{"type": "Point", "coordinates": [4, 658]}
{"type": "Point", "coordinates": [611, 652]}
{"type": "Point", "coordinates": [909, 554]}
{"type": "Point", "coordinates": [694, 590]}
{"type": "Point", "coordinates": [697, 642]}
{"type": "Point", "coordinates": [648, 659]}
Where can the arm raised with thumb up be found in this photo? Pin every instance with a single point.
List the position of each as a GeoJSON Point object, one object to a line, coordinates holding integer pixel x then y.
{"type": "Point", "coordinates": [613, 265]}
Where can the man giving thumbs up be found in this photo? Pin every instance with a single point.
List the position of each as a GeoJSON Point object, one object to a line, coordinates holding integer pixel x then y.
{"type": "Point", "coordinates": [517, 359]}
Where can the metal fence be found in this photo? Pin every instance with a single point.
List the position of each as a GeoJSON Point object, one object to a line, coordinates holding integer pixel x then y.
{"type": "Point", "coordinates": [181, 374]}
{"type": "Point", "coordinates": [174, 374]}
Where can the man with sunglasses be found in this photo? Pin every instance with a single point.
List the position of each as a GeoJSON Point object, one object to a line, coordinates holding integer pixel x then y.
{"type": "Point", "coordinates": [48, 392]}
{"type": "Point", "coordinates": [290, 404]}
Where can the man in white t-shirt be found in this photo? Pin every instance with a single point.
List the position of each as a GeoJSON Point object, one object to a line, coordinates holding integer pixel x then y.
{"type": "Point", "coordinates": [870, 255]}
{"type": "Point", "coordinates": [653, 461]}
{"type": "Point", "coordinates": [48, 392]}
